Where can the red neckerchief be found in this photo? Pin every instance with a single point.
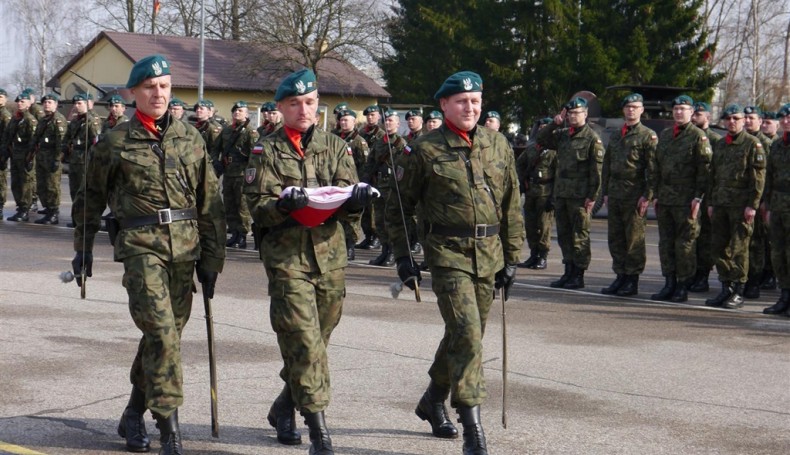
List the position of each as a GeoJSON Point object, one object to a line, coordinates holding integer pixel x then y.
{"type": "Point", "coordinates": [148, 122]}
{"type": "Point", "coordinates": [463, 134]}
{"type": "Point", "coordinates": [786, 137]}
{"type": "Point", "coordinates": [295, 138]}
{"type": "Point", "coordinates": [343, 135]}
{"type": "Point", "coordinates": [624, 131]}
{"type": "Point", "coordinates": [675, 130]}
{"type": "Point", "coordinates": [386, 138]}
{"type": "Point", "coordinates": [571, 131]}
{"type": "Point", "coordinates": [111, 120]}
{"type": "Point", "coordinates": [19, 115]}
{"type": "Point", "coordinates": [199, 124]}
{"type": "Point", "coordinates": [728, 138]}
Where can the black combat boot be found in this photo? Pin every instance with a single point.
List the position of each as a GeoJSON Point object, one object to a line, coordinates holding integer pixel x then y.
{"type": "Point", "coordinates": [630, 286]}
{"type": "Point", "coordinates": [379, 260]}
{"type": "Point", "coordinates": [474, 437]}
{"type": "Point", "coordinates": [736, 299]}
{"type": "Point", "coordinates": [234, 237]}
{"type": "Point", "coordinates": [681, 293]}
{"type": "Point", "coordinates": [241, 243]}
{"type": "Point", "coordinates": [169, 435]}
{"type": "Point", "coordinates": [576, 281]}
{"type": "Point", "coordinates": [615, 286]}
{"type": "Point", "coordinates": [752, 288]}
{"type": "Point", "coordinates": [256, 237]}
{"type": "Point", "coordinates": [541, 263]}
{"type": "Point", "coordinates": [371, 242]}
{"type": "Point", "coordinates": [431, 408]}
{"type": "Point", "coordinates": [781, 306]}
{"type": "Point", "coordinates": [351, 253]}
{"type": "Point", "coordinates": [132, 425]}
{"type": "Point", "coordinates": [20, 215]}
{"type": "Point", "coordinates": [531, 260]}
{"type": "Point", "coordinates": [666, 293]}
{"type": "Point", "coordinates": [700, 282]}
{"type": "Point", "coordinates": [768, 282]}
{"type": "Point", "coordinates": [282, 416]}
{"type": "Point", "coordinates": [564, 278]}
{"type": "Point", "coordinates": [51, 217]}
{"type": "Point", "coordinates": [724, 295]}
{"type": "Point", "coordinates": [321, 443]}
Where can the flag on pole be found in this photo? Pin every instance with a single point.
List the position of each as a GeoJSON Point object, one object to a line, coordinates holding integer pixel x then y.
{"type": "Point", "coordinates": [157, 5]}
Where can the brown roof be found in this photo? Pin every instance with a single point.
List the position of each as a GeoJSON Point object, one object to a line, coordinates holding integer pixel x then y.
{"type": "Point", "coordinates": [225, 68]}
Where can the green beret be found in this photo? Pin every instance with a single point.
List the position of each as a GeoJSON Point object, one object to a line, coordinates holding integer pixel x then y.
{"type": "Point", "coordinates": [753, 110]}
{"type": "Point", "coordinates": [340, 107]}
{"type": "Point", "coordinates": [50, 96]}
{"type": "Point", "coordinates": [390, 113]}
{"type": "Point", "coordinates": [345, 112]}
{"type": "Point", "coordinates": [461, 82]}
{"type": "Point", "coordinates": [732, 109]}
{"type": "Point", "coordinates": [576, 103]}
{"type": "Point", "coordinates": [296, 84]}
{"type": "Point", "coordinates": [116, 99]}
{"type": "Point", "coordinates": [177, 102]}
{"type": "Point", "coordinates": [22, 96]}
{"type": "Point", "coordinates": [545, 120]}
{"type": "Point", "coordinates": [683, 100]}
{"type": "Point", "coordinates": [3, 92]}
{"type": "Point", "coordinates": [371, 109]}
{"type": "Point", "coordinates": [435, 114]}
{"type": "Point", "coordinates": [413, 113]}
{"type": "Point", "coordinates": [784, 111]}
{"type": "Point", "coordinates": [701, 106]}
{"type": "Point", "coordinates": [204, 103]}
{"type": "Point", "coordinates": [147, 67]}
{"type": "Point", "coordinates": [268, 106]}
{"type": "Point", "coordinates": [632, 98]}
{"type": "Point", "coordinates": [28, 91]}
{"type": "Point", "coordinates": [90, 96]}
{"type": "Point", "coordinates": [237, 105]}
{"type": "Point", "coordinates": [769, 115]}
{"type": "Point", "coordinates": [79, 97]}
{"type": "Point", "coordinates": [492, 114]}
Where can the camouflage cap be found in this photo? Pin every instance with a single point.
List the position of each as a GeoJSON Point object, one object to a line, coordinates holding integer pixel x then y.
{"type": "Point", "coordinates": [768, 115]}
{"type": "Point", "coordinates": [783, 111]}
{"type": "Point", "coordinates": [204, 103]}
{"type": "Point", "coordinates": [50, 96]}
{"type": "Point", "coordinates": [701, 106]}
{"type": "Point", "coordinates": [147, 67]}
{"type": "Point", "coordinates": [435, 115]}
{"type": "Point", "coordinates": [371, 109]}
{"type": "Point", "coordinates": [340, 107]}
{"type": "Point", "coordinates": [460, 82]}
{"type": "Point", "coordinates": [268, 106]}
{"type": "Point", "coordinates": [683, 100]}
{"type": "Point", "coordinates": [116, 99]}
{"type": "Point", "coordinates": [492, 114]}
{"type": "Point", "coordinates": [237, 105]}
{"type": "Point", "coordinates": [391, 113]}
{"type": "Point", "coordinates": [732, 109]}
{"type": "Point", "coordinates": [413, 113]}
{"type": "Point", "coordinates": [632, 98]}
{"type": "Point", "coordinates": [177, 102]}
{"type": "Point", "coordinates": [753, 110]}
{"type": "Point", "coordinates": [295, 84]}
{"type": "Point", "coordinates": [345, 112]}
{"type": "Point", "coordinates": [575, 103]}
{"type": "Point", "coordinates": [79, 97]}
{"type": "Point", "coordinates": [22, 96]}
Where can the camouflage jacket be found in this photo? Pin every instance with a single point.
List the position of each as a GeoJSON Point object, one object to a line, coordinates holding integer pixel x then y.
{"type": "Point", "coordinates": [737, 172]}
{"type": "Point", "coordinates": [268, 128]}
{"type": "Point", "coordinates": [628, 165]}
{"type": "Point", "coordinates": [127, 173]}
{"type": "Point", "coordinates": [359, 149]}
{"type": "Point", "coordinates": [536, 167]}
{"type": "Point", "coordinates": [20, 133]}
{"type": "Point", "coordinates": [414, 135]}
{"type": "Point", "coordinates": [275, 165]}
{"type": "Point", "coordinates": [110, 122]}
{"type": "Point", "coordinates": [234, 146]}
{"type": "Point", "coordinates": [5, 120]}
{"type": "Point", "coordinates": [579, 157]}
{"type": "Point", "coordinates": [764, 140]}
{"type": "Point", "coordinates": [378, 168]}
{"type": "Point", "coordinates": [712, 136]}
{"type": "Point", "coordinates": [460, 186]}
{"type": "Point", "coordinates": [682, 165]}
{"type": "Point", "coordinates": [210, 131]}
{"type": "Point", "coordinates": [777, 175]}
{"type": "Point", "coordinates": [371, 133]}
{"type": "Point", "coordinates": [82, 132]}
{"type": "Point", "coordinates": [49, 137]}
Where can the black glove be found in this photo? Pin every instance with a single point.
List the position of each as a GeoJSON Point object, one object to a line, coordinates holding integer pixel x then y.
{"type": "Point", "coordinates": [76, 265]}
{"type": "Point", "coordinates": [3, 163]}
{"type": "Point", "coordinates": [505, 277]}
{"type": "Point", "coordinates": [361, 197]}
{"type": "Point", "coordinates": [206, 278]}
{"type": "Point", "coordinates": [219, 168]}
{"type": "Point", "coordinates": [29, 165]}
{"type": "Point", "coordinates": [55, 166]}
{"type": "Point", "coordinates": [408, 271]}
{"type": "Point", "coordinates": [295, 200]}
{"type": "Point", "coordinates": [549, 206]}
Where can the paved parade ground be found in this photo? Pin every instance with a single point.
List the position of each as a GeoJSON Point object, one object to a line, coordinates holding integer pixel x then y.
{"type": "Point", "coordinates": [587, 373]}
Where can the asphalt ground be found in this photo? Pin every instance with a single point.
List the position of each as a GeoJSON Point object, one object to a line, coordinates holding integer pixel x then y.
{"type": "Point", "coordinates": [586, 373]}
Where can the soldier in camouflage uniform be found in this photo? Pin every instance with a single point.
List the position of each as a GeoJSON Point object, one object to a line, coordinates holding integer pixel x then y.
{"type": "Point", "coordinates": [770, 128]}
{"type": "Point", "coordinates": [682, 166]}
{"type": "Point", "coordinates": [82, 132]}
{"type": "Point", "coordinates": [414, 121]}
{"type": "Point", "coordinates": [5, 118]}
{"type": "Point", "coordinates": [272, 119]}
{"type": "Point", "coordinates": [305, 266]}
{"type": "Point", "coordinates": [155, 174]}
{"type": "Point", "coordinates": [378, 172]}
{"type": "Point", "coordinates": [209, 129]}
{"type": "Point", "coordinates": [492, 120]}
{"type": "Point", "coordinates": [48, 149]}
{"type": "Point", "coordinates": [19, 145]}
{"type": "Point", "coordinates": [701, 119]}
{"type": "Point", "coordinates": [464, 176]}
{"type": "Point", "coordinates": [346, 124]}
{"type": "Point", "coordinates": [177, 107]}
{"type": "Point", "coordinates": [627, 184]}
{"type": "Point", "coordinates": [371, 131]}
{"type": "Point", "coordinates": [536, 167]}
{"type": "Point", "coordinates": [576, 187]}
{"type": "Point", "coordinates": [777, 205]}
{"type": "Point", "coordinates": [231, 152]}
{"type": "Point", "coordinates": [117, 115]}
{"type": "Point", "coordinates": [433, 120]}
{"type": "Point", "coordinates": [737, 177]}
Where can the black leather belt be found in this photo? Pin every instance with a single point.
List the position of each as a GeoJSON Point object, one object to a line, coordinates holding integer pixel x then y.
{"type": "Point", "coordinates": [163, 216]}
{"type": "Point", "coordinates": [479, 231]}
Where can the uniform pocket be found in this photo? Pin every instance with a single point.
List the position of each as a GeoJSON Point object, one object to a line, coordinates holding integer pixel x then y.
{"type": "Point", "coordinates": [137, 170]}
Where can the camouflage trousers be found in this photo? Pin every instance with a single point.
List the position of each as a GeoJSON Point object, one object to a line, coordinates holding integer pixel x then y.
{"type": "Point", "coordinates": [677, 236]}
{"type": "Point", "coordinates": [379, 205]}
{"type": "Point", "coordinates": [464, 301]}
{"type": "Point", "coordinates": [76, 177]}
{"type": "Point", "coordinates": [704, 258]}
{"type": "Point", "coordinates": [730, 243]}
{"type": "Point", "coordinates": [48, 181]}
{"type": "Point", "coordinates": [3, 184]}
{"type": "Point", "coordinates": [22, 184]}
{"type": "Point", "coordinates": [160, 302]}
{"type": "Point", "coordinates": [780, 247]}
{"type": "Point", "coordinates": [626, 230]}
{"type": "Point", "coordinates": [537, 223]}
{"type": "Point", "coordinates": [350, 229]}
{"type": "Point", "coordinates": [368, 226]}
{"type": "Point", "coordinates": [758, 247]}
{"type": "Point", "coordinates": [305, 308]}
{"type": "Point", "coordinates": [573, 231]}
{"type": "Point", "coordinates": [237, 213]}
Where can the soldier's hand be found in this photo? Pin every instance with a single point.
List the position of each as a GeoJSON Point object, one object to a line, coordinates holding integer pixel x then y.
{"type": "Point", "coordinates": [549, 205]}
{"type": "Point", "coordinates": [294, 200]}
{"type": "Point", "coordinates": [641, 205]}
{"type": "Point", "coordinates": [748, 215]}
{"type": "Point", "coordinates": [219, 168]}
{"type": "Point", "coordinates": [505, 278]}
{"type": "Point", "coordinates": [55, 165]}
{"type": "Point", "coordinates": [77, 263]}
{"type": "Point", "coordinates": [207, 278]}
{"type": "Point", "coordinates": [588, 205]}
{"type": "Point", "coordinates": [408, 272]}
{"type": "Point", "coordinates": [361, 197]}
{"type": "Point", "coordinates": [559, 119]}
{"type": "Point", "coordinates": [29, 165]}
{"type": "Point", "coordinates": [695, 203]}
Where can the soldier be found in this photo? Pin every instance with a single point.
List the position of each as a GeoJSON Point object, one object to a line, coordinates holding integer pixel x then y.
{"type": "Point", "coordinates": [492, 120]}
{"type": "Point", "coordinates": [209, 130]}
{"type": "Point", "coordinates": [342, 106]}
{"type": "Point", "coordinates": [576, 187]}
{"type": "Point", "coordinates": [434, 120]}
{"type": "Point", "coordinates": [682, 165]}
{"type": "Point", "coordinates": [474, 234]}
{"type": "Point", "coordinates": [82, 132]}
{"type": "Point", "coordinates": [777, 211]}
{"type": "Point", "coordinates": [372, 131]}
{"type": "Point", "coordinates": [305, 266]}
{"type": "Point", "coordinates": [737, 177]}
{"type": "Point", "coordinates": [378, 172]}
{"type": "Point", "coordinates": [156, 176]}
{"type": "Point", "coordinates": [47, 151]}
{"type": "Point", "coordinates": [701, 119]}
{"type": "Point", "coordinates": [769, 128]}
{"type": "Point", "coordinates": [231, 153]}
{"type": "Point", "coordinates": [272, 119]}
{"type": "Point", "coordinates": [414, 121]}
{"type": "Point", "coordinates": [19, 143]}
{"type": "Point", "coordinates": [177, 108]}
{"type": "Point", "coordinates": [536, 167]}
{"type": "Point", "coordinates": [117, 108]}
{"type": "Point", "coordinates": [346, 123]}
{"type": "Point", "coordinates": [5, 118]}
{"type": "Point", "coordinates": [627, 186]}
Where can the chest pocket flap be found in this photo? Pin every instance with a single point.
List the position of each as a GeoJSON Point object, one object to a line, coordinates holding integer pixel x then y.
{"type": "Point", "coordinates": [450, 166]}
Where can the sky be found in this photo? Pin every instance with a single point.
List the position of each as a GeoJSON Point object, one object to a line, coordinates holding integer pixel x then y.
{"type": "Point", "coordinates": [12, 52]}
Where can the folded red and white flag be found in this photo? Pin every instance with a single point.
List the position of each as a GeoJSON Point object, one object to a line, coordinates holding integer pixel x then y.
{"type": "Point", "coordinates": [322, 202]}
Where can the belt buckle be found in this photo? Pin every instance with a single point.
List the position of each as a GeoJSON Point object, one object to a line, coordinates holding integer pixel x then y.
{"type": "Point", "coordinates": [164, 216]}
{"type": "Point", "coordinates": [480, 231]}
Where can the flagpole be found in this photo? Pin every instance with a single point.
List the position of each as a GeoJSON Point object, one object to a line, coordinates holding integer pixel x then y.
{"type": "Point", "coordinates": [202, 48]}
